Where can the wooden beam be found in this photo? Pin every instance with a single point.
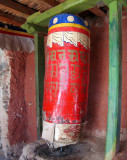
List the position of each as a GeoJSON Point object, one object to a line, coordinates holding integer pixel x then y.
{"type": "Point", "coordinates": [33, 28]}
{"type": "Point", "coordinates": [98, 12]}
{"type": "Point", "coordinates": [39, 77]}
{"type": "Point", "coordinates": [35, 4]}
{"type": "Point", "coordinates": [45, 4]}
{"type": "Point", "coordinates": [100, 4]}
{"type": "Point", "coordinates": [16, 8]}
{"type": "Point", "coordinates": [10, 19]}
{"type": "Point", "coordinates": [52, 3]}
{"type": "Point", "coordinates": [123, 2]}
{"type": "Point", "coordinates": [70, 6]}
{"type": "Point", "coordinates": [61, 1]}
{"type": "Point", "coordinates": [115, 80]}
{"type": "Point", "coordinates": [40, 5]}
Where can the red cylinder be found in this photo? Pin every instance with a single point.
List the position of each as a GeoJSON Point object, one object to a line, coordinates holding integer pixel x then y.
{"type": "Point", "coordinates": [66, 79]}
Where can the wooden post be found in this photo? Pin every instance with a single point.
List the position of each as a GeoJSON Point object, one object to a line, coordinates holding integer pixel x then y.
{"type": "Point", "coordinates": [39, 77]}
{"type": "Point", "coordinates": [115, 79]}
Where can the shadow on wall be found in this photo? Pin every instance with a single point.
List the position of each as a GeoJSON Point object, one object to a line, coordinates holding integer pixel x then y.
{"type": "Point", "coordinates": [98, 86]}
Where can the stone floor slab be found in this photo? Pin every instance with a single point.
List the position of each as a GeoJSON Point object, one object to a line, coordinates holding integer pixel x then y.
{"type": "Point", "coordinates": [93, 149]}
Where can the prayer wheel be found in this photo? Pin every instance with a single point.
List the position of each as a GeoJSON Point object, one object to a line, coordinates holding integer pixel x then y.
{"type": "Point", "coordinates": [66, 80]}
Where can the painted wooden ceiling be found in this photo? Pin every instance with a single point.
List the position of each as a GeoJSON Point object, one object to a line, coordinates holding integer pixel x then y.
{"type": "Point", "coordinates": [15, 12]}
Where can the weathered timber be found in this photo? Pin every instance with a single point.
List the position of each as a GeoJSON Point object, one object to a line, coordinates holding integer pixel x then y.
{"type": "Point", "coordinates": [123, 2]}
{"type": "Point", "coordinates": [115, 79]}
{"type": "Point", "coordinates": [98, 12]}
{"type": "Point", "coordinates": [52, 3]}
{"type": "Point", "coordinates": [40, 5]}
{"type": "Point", "coordinates": [95, 10]}
{"type": "Point", "coordinates": [70, 6]}
{"type": "Point", "coordinates": [61, 1]}
{"type": "Point", "coordinates": [10, 19]}
{"type": "Point", "coordinates": [32, 28]}
{"type": "Point", "coordinates": [39, 76]}
{"type": "Point", "coordinates": [14, 7]}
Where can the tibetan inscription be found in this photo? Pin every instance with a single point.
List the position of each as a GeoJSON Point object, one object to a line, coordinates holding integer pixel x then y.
{"type": "Point", "coordinates": [67, 74]}
{"type": "Point", "coordinates": [66, 79]}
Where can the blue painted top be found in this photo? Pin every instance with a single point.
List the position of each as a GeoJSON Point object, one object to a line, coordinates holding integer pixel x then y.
{"type": "Point", "coordinates": [68, 18]}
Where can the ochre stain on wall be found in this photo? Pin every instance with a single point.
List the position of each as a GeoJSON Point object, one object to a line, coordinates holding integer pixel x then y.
{"type": "Point", "coordinates": [98, 85]}
{"type": "Point", "coordinates": [99, 74]}
{"type": "Point", "coordinates": [30, 97]}
{"type": "Point", "coordinates": [17, 111]}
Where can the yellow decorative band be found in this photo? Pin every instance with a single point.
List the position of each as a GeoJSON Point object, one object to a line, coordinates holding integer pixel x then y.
{"type": "Point", "coordinates": [69, 25]}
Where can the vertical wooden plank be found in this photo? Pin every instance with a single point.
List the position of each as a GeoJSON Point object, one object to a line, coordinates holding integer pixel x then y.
{"type": "Point", "coordinates": [39, 78]}
{"type": "Point", "coordinates": [115, 79]}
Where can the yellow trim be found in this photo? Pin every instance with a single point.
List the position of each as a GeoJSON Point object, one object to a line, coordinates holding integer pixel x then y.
{"type": "Point", "coordinates": [69, 25]}
{"type": "Point", "coordinates": [16, 32]}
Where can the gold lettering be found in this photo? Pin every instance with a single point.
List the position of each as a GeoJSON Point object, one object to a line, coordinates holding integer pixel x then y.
{"type": "Point", "coordinates": [73, 56]}
{"type": "Point", "coordinates": [53, 88]}
{"type": "Point", "coordinates": [53, 55]}
{"type": "Point", "coordinates": [74, 87]}
{"type": "Point", "coordinates": [54, 70]}
{"type": "Point", "coordinates": [62, 55]}
{"type": "Point", "coordinates": [83, 56]}
{"type": "Point", "coordinates": [75, 72]}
